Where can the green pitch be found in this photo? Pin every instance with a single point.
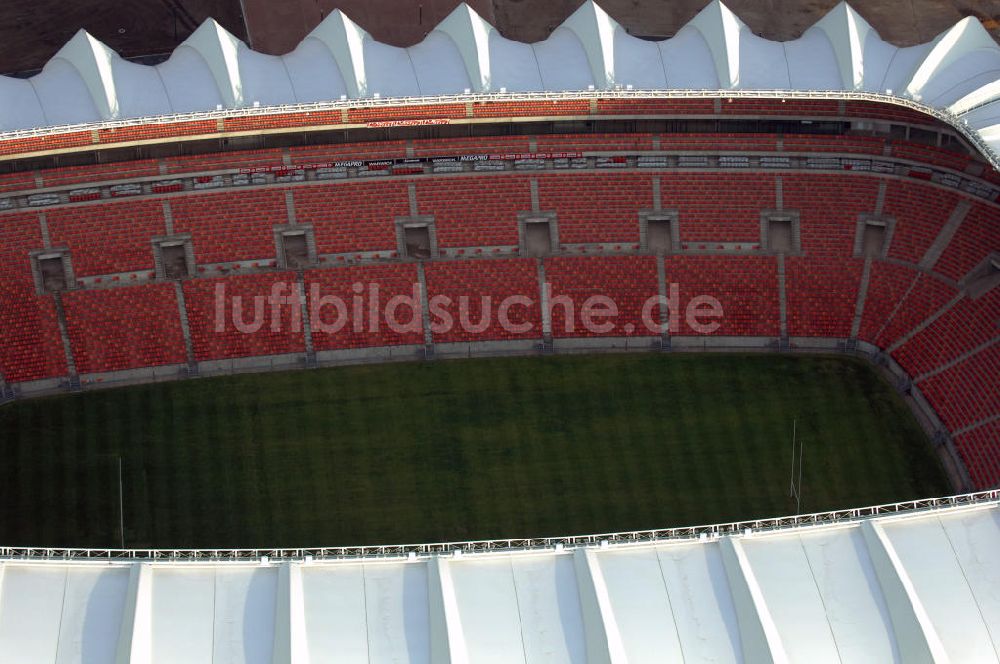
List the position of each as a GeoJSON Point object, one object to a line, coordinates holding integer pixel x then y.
{"type": "Point", "coordinates": [456, 450]}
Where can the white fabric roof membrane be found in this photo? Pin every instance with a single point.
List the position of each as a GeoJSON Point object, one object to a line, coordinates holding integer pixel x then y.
{"type": "Point", "coordinates": [86, 81]}
{"type": "Point", "coordinates": [922, 586]}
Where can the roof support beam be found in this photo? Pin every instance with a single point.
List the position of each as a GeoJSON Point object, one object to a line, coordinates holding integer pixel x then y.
{"type": "Point", "coordinates": [135, 638]}
{"type": "Point", "coordinates": [447, 636]}
{"type": "Point", "coordinates": [916, 637]}
{"type": "Point", "coordinates": [758, 633]}
{"type": "Point", "coordinates": [291, 645]}
{"type": "Point", "coordinates": [604, 640]}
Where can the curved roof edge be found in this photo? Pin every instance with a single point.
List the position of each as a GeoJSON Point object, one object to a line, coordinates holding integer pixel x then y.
{"type": "Point", "coordinates": [915, 581]}
{"type": "Point", "coordinates": [958, 72]}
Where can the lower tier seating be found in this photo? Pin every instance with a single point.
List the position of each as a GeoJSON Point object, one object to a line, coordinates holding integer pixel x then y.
{"type": "Point", "coordinates": [356, 216]}
{"type": "Point", "coordinates": [962, 328]}
{"type": "Point", "coordinates": [234, 316]}
{"type": "Point", "coordinates": [747, 289]}
{"type": "Point", "coordinates": [351, 307]}
{"type": "Point", "coordinates": [968, 392]}
{"type": "Point", "coordinates": [483, 215]}
{"type": "Point", "coordinates": [30, 345]}
{"type": "Point", "coordinates": [822, 296]}
{"type": "Point", "coordinates": [485, 286]}
{"type": "Point", "coordinates": [943, 334]}
{"type": "Point", "coordinates": [629, 281]}
{"type": "Point", "coordinates": [113, 329]}
{"type": "Point", "coordinates": [980, 450]}
{"type": "Point", "coordinates": [594, 208]}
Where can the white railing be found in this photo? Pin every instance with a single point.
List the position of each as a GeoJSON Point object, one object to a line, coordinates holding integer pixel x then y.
{"type": "Point", "coordinates": [943, 115]}
{"type": "Point", "coordinates": [499, 545]}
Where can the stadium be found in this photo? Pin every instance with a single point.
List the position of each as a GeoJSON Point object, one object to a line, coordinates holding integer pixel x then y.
{"type": "Point", "coordinates": [579, 316]}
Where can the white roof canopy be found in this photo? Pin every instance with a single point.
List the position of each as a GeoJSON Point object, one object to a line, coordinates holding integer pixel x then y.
{"type": "Point", "coordinates": [86, 81]}
{"type": "Point", "coordinates": [922, 586]}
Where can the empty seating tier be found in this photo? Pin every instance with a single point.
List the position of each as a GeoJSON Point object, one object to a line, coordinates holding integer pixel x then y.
{"type": "Point", "coordinates": [928, 300]}
{"type": "Point", "coordinates": [582, 284]}
{"type": "Point", "coordinates": [110, 237]}
{"type": "Point", "coordinates": [113, 329]}
{"type": "Point", "coordinates": [747, 289]}
{"type": "Point", "coordinates": [363, 307]}
{"type": "Point", "coordinates": [244, 316]}
{"type": "Point", "coordinates": [483, 214]}
{"type": "Point", "coordinates": [596, 207]}
{"type": "Point", "coordinates": [486, 300]}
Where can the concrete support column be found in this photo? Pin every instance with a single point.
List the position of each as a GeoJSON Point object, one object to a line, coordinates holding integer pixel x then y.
{"type": "Point", "coordinates": [425, 312]}
{"type": "Point", "coordinates": [185, 327]}
{"type": "Point", "coordinates": [782, 299]}
{"type": "Point", "coordinates": [74, 377]}
{"type": "Point", "coordinates": [306, 322]}
{"type": "Point", "coordinates": [859, 307]}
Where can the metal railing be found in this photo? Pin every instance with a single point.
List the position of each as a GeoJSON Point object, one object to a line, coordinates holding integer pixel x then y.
{"type": "Point", "coordinates": [943, 115]}
{"type": "Point", "coordinates": [410, 551]}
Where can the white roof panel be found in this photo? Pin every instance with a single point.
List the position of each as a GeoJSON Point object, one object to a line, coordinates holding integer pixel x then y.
{"type": "Point", "coordinates": [439, 66]}
{"type": "Point", "coordinates": [549, 605]}
{"type": "Point", "coordinates": [21, 109]}
{"type": "Point", "coordinates": [264, 79]}
{"type": "Point", "coordinates": [313, 72]}
{"type": "Point", "coordinates": [638, 62]}
{"type": "Point", "coordinates": [397, 615]}
{"type": "Point", "coordinates": [640, 601]}
{"type": "Point", "coordinates": [881, 589]}
{"type": "Point", "coordinates": [812, 62]}
{"type": "Point", "coordinates": [488, 607]}
{"type": "Point", "coordinates": [562, 62]}
{"type": "Point", "coordinates": [818, 587]}
{"type": "Point", "coordinates": [188, 82]}
{"type": "Point", "coordinates": [688, 61]}
{"type": "Point", "coordinates": [389, 71]}
{"type": "Point", "coordinates": [64, 95]}
{"type": "Point", "coordinates": [763, 65]}
{"type": "Point", "coordinates": [938, 559]}
{"type": "Point", "coordinates": [513, 65]}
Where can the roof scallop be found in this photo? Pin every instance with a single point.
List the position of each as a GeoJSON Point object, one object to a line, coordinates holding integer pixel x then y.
{"type": "Point", "coordinates": [957, 72]}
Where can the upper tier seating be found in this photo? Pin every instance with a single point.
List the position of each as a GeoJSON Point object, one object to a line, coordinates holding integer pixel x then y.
{"type": "Point", "coordinates": [356, 216]}
{"type": "Point", "coordinates": [110, 237]}
{"type": "Point", "coordinates": [600, 207]}
{"type": "Point", "coordinates": [482, 215]}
